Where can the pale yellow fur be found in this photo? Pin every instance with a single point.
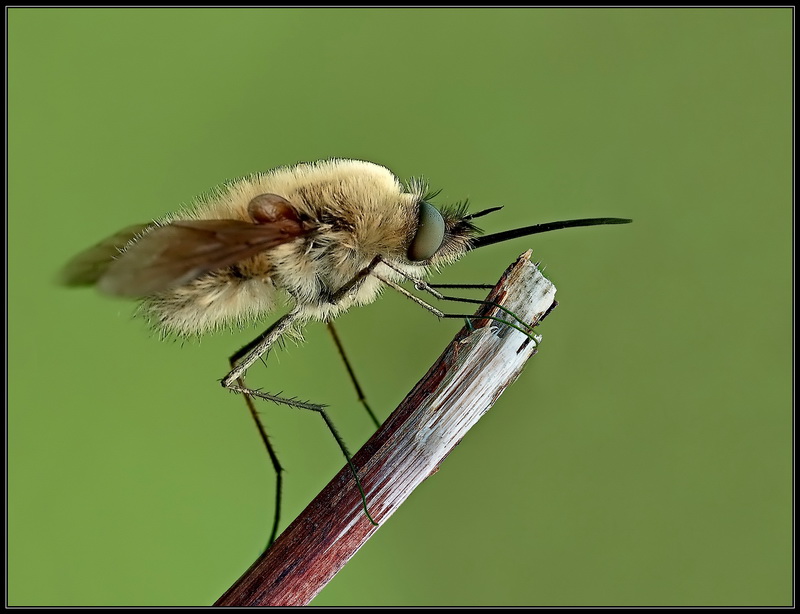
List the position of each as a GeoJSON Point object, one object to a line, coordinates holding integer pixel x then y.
{"type": "Point", "coordinates": [380, 217]}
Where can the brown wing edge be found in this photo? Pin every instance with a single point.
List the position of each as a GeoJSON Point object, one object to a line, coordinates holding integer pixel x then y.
{"type": "Point", "coordinates": [177, 253]}
{"type": "Point", "coordinates": [87, 267]}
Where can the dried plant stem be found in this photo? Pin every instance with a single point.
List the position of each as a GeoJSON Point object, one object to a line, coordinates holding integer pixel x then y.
{"type": "Point", "coordinates": [466, 380]}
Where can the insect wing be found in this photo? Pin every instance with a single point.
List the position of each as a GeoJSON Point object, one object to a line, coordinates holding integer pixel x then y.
{"type": "Point", "coordinates": [175, 254]}
{"type": "Point", "coordinates": [90, 265]}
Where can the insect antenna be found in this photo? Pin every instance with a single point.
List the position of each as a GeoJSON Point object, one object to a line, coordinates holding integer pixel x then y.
{"type": "Point", "coordinates": [472, 216]}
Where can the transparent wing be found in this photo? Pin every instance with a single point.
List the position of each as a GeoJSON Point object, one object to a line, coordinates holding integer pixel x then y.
{"type": "Point", "coordinates": [175, 254]}
{"type": "Point", "coordinates": [89, 266]}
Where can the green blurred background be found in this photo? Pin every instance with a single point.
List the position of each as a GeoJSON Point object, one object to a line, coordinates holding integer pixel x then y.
{"type": "Point", "coordinates": [645, 455]}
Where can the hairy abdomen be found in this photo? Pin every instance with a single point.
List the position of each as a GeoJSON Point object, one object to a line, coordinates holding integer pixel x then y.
{"type": "Point", "coordinates": [217, 300]}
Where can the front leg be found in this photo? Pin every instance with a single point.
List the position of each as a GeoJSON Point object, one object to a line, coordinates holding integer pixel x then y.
{"type": "Point", "coordinates": [259, 349]}
{"type": "Point", "coordinates": [281, 326]}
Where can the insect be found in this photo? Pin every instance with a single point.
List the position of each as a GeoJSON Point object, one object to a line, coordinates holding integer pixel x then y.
{"type": "Point", "coordinates": [327, 235]}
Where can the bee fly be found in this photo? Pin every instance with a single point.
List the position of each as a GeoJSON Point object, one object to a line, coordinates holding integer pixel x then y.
{"type": "Point", "coordinates": [328, 235]}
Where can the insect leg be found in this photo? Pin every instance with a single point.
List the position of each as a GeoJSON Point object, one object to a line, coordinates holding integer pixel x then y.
{"type": "Point", "coordinates": [362, 399]}
{"type": "Point", "coordinates": [527, 330]}
{"type": "Point", "coordinates": [252, 352]}
{"type": "Point", "coordinates": [245, 358]}
{"type": "Point", "coordinates": [437, 312]}
{"type": "Point", "coordinates": [321, 411]}
{"type": "Point", "coordinates": [424, 286]}
{"type": "Point", "coordinates": [464, 286]}
{"type": "Point", "coordinates": [248, 399]}
{"type": "Point", "coordinates": [267, 444]}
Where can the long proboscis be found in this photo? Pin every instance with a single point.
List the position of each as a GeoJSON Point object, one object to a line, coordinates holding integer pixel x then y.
{"type": "Point", "coordinates": [547, 227]}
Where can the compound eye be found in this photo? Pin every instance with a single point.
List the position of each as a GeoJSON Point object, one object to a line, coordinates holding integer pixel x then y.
{"type": "Point", "coordinates": [430, 233]}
